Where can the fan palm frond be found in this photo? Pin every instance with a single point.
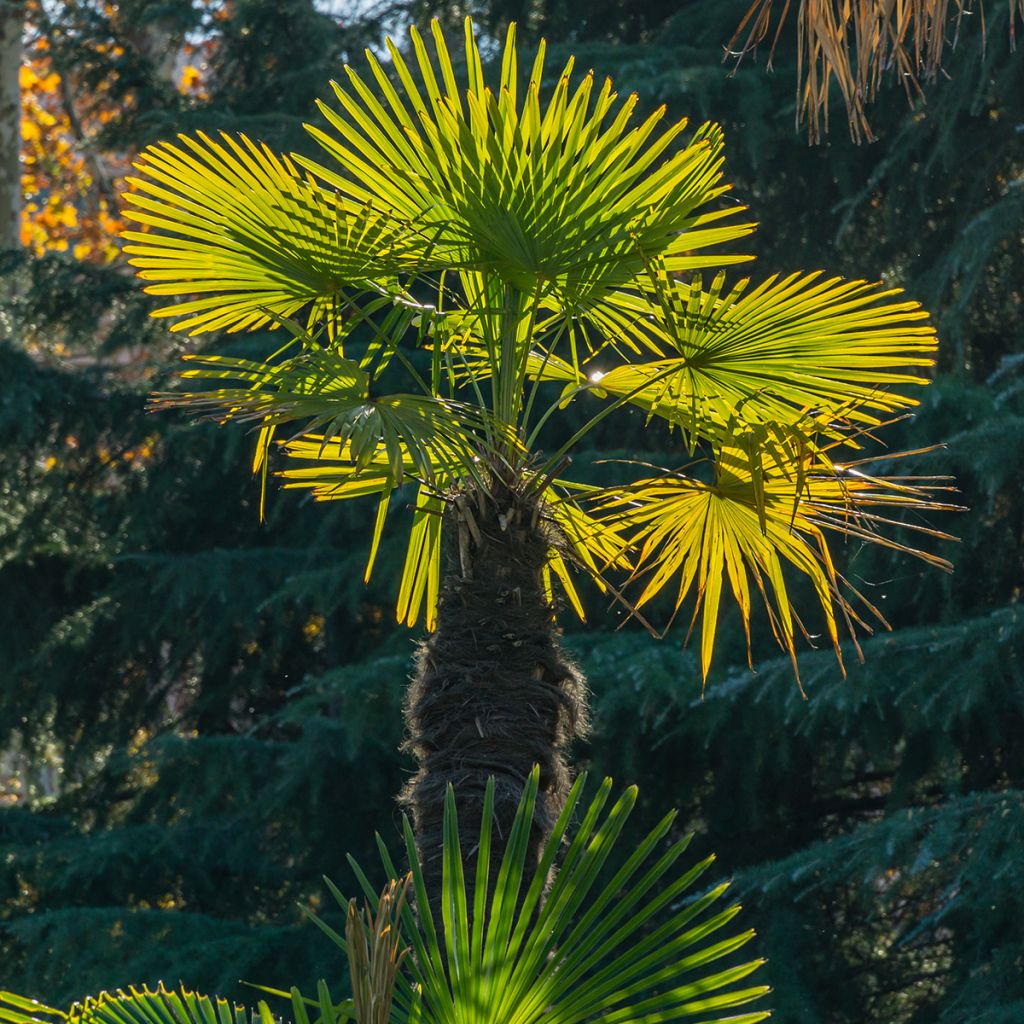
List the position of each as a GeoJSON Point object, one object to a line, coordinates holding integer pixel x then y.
{"type": "Point", "coordinates": [591, 545]}
{"type": "Point", "coordinates": [240, 226]}
{"type": "Point", "coordinates": [322, 389]}
{"type": "Point", "coordinates": [167, 1006]}
{"type": "Point", "coordinates": [802, 351]}
{"type": "Point", "coordinates": [693, 537]}
{"type": "Point", "coordinates": [566, 195]}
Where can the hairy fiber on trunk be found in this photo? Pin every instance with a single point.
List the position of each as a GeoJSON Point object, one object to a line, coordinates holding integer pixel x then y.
{"type": "Point", "coordinates": [493, 692]}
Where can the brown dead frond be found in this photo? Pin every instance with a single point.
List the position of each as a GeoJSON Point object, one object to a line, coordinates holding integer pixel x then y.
{"type": "Point", "coordinates": [857, 43]}
{"type": "Point", "coordinates": [375, 953]}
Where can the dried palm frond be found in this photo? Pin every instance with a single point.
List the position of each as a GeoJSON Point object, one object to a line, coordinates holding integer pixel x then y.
{"type": "Point", "coordinates": [857, 42]}
{"type": "Point", "coordinates": [375, 953]}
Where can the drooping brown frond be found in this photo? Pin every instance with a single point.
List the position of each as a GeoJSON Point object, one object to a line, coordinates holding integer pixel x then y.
{"type": "Point", "coordinates": [856, 43]}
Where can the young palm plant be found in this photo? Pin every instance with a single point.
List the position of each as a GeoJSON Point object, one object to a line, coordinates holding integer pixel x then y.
{"type": "Point", "coordinates": [462, 264]}
{"type": "Point", "coordinates": [615, 940]}
{"type": "Point", "coordinates": [622, 942]}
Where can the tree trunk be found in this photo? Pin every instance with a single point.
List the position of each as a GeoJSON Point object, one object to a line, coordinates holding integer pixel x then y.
{"type": "Point", "coordinates": [493, 693]}
{"type": "Point", "coordinates": [12, 20]}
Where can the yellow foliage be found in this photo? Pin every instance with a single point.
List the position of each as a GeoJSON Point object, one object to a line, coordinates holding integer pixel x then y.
{"type": "Point", "coordinates": [63, 208]}
{"type": "Point", "coordinates": [189, 77]}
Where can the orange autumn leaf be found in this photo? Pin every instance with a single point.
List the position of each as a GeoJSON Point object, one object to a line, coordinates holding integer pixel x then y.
{"type": "Point", "coordinates": [68, 189]}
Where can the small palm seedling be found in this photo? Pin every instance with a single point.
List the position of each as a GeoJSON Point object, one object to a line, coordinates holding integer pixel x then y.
{"type": "Point", "coordinates": [463, 264]}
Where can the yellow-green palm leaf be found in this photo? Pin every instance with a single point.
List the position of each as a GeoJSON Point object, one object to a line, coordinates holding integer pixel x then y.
{"type": "Point", "coordinates": [803, 352]}
{"type": "Point", "coordinates": [235, 223]}
{"type": "Point", "coordinates": [694, 538]}
{"type": "Point", "coordinates": [568, 194]}
{"type": "Point", "coordinates": [322, 389]}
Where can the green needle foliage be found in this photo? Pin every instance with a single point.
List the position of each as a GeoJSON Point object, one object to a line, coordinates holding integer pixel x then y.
{"type": "Point", "coordinates": [504, 254]}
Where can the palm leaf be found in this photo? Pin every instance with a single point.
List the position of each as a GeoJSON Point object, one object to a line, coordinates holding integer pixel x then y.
{"type": "Point", "coordinates": [696, 536]}
{"type": "Point", "coordinates": [802, 352]}
{"type": "Point", "coordinates": [241, 227]}
{"type": "Point", "coordinates": [591, 545]}
{"type": "Point", "coordinates": [172, 1006]}
{"type": "Point", "coordinates": [570, 194]}
{"type": "Point", "coordinates": [421, 573]}
{"type": "Point", "coordinates": [15, 1009]}
{"type": "Point", "coordinates": [616, 936]}
{"type": "Point", "coordinates": [321, 389]}
{"type": "Point", "coordinates": [155, 1006]}
{"type": "Point", "coordinates": [335, 475]}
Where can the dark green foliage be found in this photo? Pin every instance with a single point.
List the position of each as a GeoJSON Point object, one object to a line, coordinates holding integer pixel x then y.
{"type": "Point", "coordinates": [223, 698]}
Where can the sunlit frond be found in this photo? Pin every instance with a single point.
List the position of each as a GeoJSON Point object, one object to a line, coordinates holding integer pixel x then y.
{"type": "Point", "coordinates": [594, 928]}
{"type": "Point", "coordinates": [693, 537]}
{"type": "Point", "coordinates": [590, 544]}
{"type": "Point", "coordinates": [322, 390]}
{"type": "Point", "coordinates": [333, 474]}
{"type": "Point", "coordinates": [803, 351]}
{"type": "Point", "coordinates": [241, 227]}
{"type": "Point", "coordinates": [144, 1006]}
{"type": "Point", "coordinates": [570, 194]}
{"type": "Point", "coordinates": [421, 574]}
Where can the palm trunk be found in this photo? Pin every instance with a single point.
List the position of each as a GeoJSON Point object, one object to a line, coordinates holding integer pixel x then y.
{"type": "Point", "coordinates": [493, 692]}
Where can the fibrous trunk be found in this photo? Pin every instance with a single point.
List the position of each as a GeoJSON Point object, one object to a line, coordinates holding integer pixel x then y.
{"type": "Point", "coordinates": [493, 693]}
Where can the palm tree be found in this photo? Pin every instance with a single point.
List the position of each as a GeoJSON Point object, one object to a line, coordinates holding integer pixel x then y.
{"type": "Point", "coordinates": [465, 264]}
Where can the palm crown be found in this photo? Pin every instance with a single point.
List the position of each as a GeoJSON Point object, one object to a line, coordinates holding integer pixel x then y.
{"type": "Point", "coordinates": [508, 256]}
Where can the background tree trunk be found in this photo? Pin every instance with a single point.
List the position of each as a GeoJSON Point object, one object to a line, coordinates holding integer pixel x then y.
{"type": "Point", "coordinates": [12, 20]}
{"type": "Point", "coordinates": [493, 692]}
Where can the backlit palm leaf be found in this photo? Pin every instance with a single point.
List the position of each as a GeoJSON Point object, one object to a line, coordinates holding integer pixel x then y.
{"type": "Point", "coordinates": [592, 545]}
{"type": "Point", "coordinates": [616, 938]}
{"type": "Point", "coordinates": [240, 226]}
{"type": "Point", "coordinates": [174, 1006]}
{"type": "Point", "coordinates": [802, 351]}
{"type": "Point", "coordinates": [693, 537]}
{"type": "Point", "coordinates": [154, 1006]}
{"type": "Point", "coordinates": [567, 194]}
{"type": "Point", "coordinates": [322, 389]}
{"type": "Point", "coordinates": [334, 475]}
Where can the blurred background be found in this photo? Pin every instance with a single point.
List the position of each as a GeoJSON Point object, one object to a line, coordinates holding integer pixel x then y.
{"type": "Point", "coordinates": [200, 715]}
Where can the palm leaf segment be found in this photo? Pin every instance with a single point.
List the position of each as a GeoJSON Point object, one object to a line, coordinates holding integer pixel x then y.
{"type": "Point", "coordinates": [509, 256]}
{"type": "Point", "coordinates": [618, 941]}
{"type": "Point", "coordinates": [164, 1006]}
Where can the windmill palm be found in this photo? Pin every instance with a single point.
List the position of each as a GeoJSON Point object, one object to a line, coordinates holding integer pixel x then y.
{"type": "Point", "coordinates": [507, 257]}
